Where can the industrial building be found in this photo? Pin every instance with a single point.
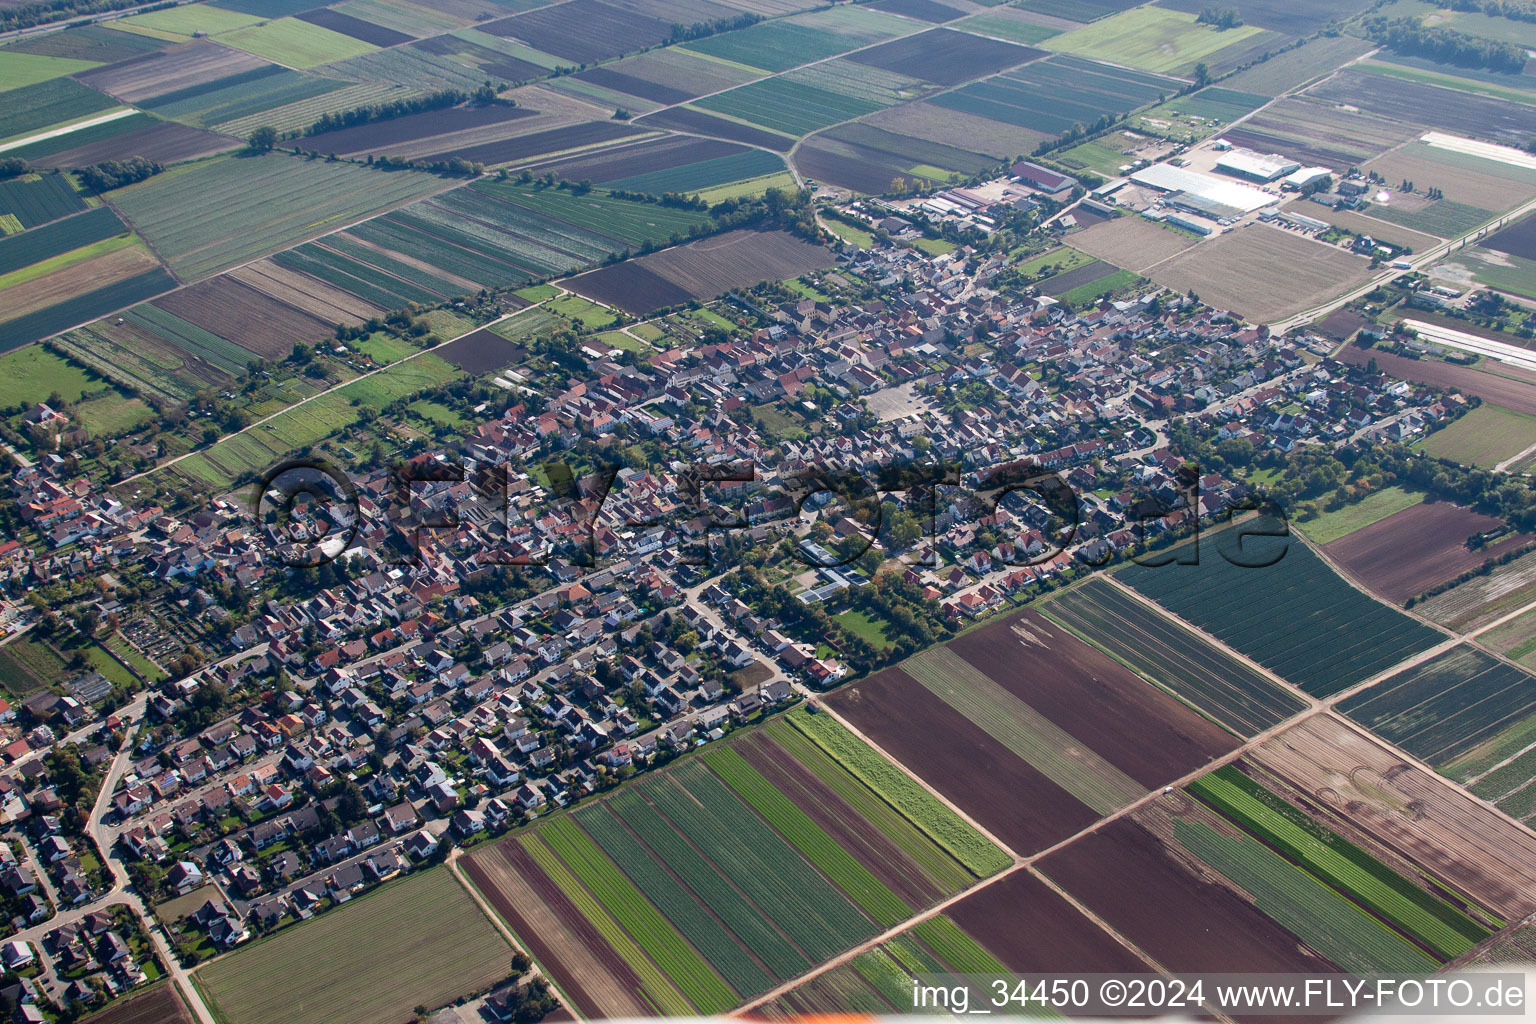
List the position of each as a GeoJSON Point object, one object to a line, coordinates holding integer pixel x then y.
{"type": "Point", "coordinates": [1201, 193]}
{"type": "Point", "coordinates": [1042, 178]}
{"type": "Point", "coordinates": [1261, 167]}
{"type": "Point", "coordinates": [1306, 178]}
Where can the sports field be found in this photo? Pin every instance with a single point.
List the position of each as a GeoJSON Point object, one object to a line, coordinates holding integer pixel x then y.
{"type": "Point", "coordinates": [418, 942]}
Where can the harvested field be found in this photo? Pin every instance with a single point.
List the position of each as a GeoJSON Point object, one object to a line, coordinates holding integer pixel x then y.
{"type": "Point", "coordinates": [1406, 553]}
{"type": "Point", "coordinates": [1478, 185]}
{"type": "Point", "coordinates": [179, 69]}
{"type": "Point", "coordinates": [1484, 599]}
{"type": "Point", "coordinates": [701, 269]}
{"type": "Point", "coordinates": [1445, 708]}
{"type": "Point", "coordinates": [1335, 635]}
{"type": "Point", "coordinates": [1316, 132]}
{"type": "Point", "coordinates": [1263, 273]}
{"type": "Point", "coordinates": [1416, 103]}
{"type": "Point", "coordinates": [160, 141]}
{"type": "Point", "coordinates": [306, 293]}
{"type": "Point", "coordinates": [481, 352]}
{"type": "Point", "coordinates": [606, 30]}
{"type": "Point", "coordinates": [1131, 242]}
{"type": "Point", "coordinates": [357, 28]}
{"type": "Point", "coordinates": [1491, 388]}
{"type": "Point", "coordinates": [249, 318]}
{"type": "Point", "coordinates": [1183, 663]}
{"type": "Point", "coordinates": [387, 136]}
{"type": "Point", "coordinates": [159, 1005]}
{"type": "Point", "coordinates": [1409, 811]}
{"type": "Point", "coordinates": [556, 140]}
{"type": "Point", "coordinates": [687, 119]}
{"type": "Point", "coordinates": [418, 942]}
{"type": "Point", "coordinates": [1142, 886]}
{"type": "Point", "coordinates": [945, 57]}
{"type": "Point", "coordinates": [1381, 230]}
{"type": "Point", "coordinates": [1029, 927]}
{"type": "Point", "coordinates": [977, 773]}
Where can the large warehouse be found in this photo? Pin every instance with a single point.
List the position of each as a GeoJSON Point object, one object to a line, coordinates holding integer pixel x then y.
{"type": "Point", "coordinates": [1203, 193]}
{"type": "Point", "coordinates": [1263, 167]}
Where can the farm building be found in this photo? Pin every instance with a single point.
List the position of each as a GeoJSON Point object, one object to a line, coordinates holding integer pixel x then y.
{"type": "Point", "coordinates": [1245, 163]}
{"type": "Point", "coordinates": [1306, 178]}
{"type": "Point", "coordinates": [1189, 224]}
{"type": "Point", "coordinates": [1042, 178]}
{"type": "Point", "coordinates": [1195, 187]}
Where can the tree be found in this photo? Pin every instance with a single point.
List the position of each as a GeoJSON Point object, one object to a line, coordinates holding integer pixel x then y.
{"type": "Point", "coordinates": [263, 139]}
{"type": "Point", "coordinates": [1202, 74]}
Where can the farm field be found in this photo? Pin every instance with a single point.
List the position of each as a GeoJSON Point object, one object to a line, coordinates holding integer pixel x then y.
{"type": "Point", "coordinates": [1516, 639]}
{"type": "Point", "coordinates": [1151, 38]}
{"type": "Point", "coordinates": [395, 134]}
{"type": "Point", "coordinates": [1485, 436]}
{"type": "Point", "coordinates": [1387, 804]}
{"type": "Point", "coordinates": [268, 95]}
{"type": "Point", "coordinates": [1223, 688]}
{"type": "Point", "coordinates": [1335, 635]}
{"type": "Point", "coordinates": [1373, 508]}
{"type": "Point", "coordinates": [1319, 133]}
{"type": "Point", "coordinates": [699, 122]}
{"type": "Point", "coordinates": [1027, 926]}
{"type": "Point", "coordinates": [670, 164]}
{"type": "Point", "coordinates": [32, 108]}
{"type": "Point", "coordinates": [29, 372]}
{"type": "Point", "coordinates": [1495, 391]}
{"type": "Point", "coordinates": [420, 941]}
{"type": "Point", "coordinates": [161, 142]}
{"type": "Point", "coordinates": [803, 38]}
{"type": "Point", "coordinates": [38, 200]}
{"type": "Point", "coordinates": [265, 327]}
{"type": "Point", "coordinates": [1294, 19]}
{"type": "Point", "coordinates": [863, 158]}
{"type": "Point", "coordinates": [202, 64]}
{"type": "Point", "coordinates": [1359, 223]}
{"type": "Point", "coordinates": [61, 236]}
{"type": "Point", "coordinates": [481, 352]}
{"type": "Point", "coordinates": [1430, 106]}
{"type": "Point", "coordinates": [1263, 273]}
{"type": "Point", "coordinates": [27, 666]}
{"type": "Point", "coordinates": [1437, 533]}
{"type": "Point", "coordinates": [1052, 95]}
{"type": "Point", "coordinates": [787, 106]}
{"type": "Point", "coordinates": [1444, 708]}
{"type": "Point", "coordinates": [1484, 599]}
{"type": "Point", "coordinates": [158, 1005]}
{"type": "Point", "coordinates": [88, 43]}
{"type": "Point", "coordinates": [526, 147]}
{"type": "Point", "coordinates": [1494, 269]}
{"type": "Point", "coordinates": [1008, 23]}
{"type": "Point", "coordinates": [719, 877]}
{"type": "Point", "coordinates": [211, 216]}
{"type": "Point", "coordinates": [945, 57]}
{"type": "Point", "coordinates": [137, 276]}
{"type": "Point", "coordinates": [1294, 68]}
{"type": "Point", "coordinates": [701, 270]}
{"type": "Point", "coordinates": [1026, 731]}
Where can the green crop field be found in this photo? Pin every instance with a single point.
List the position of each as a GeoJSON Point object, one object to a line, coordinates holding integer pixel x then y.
{"type": "Point", "coordinates": [681, 963]}
{"type": "Point", "coordinates": [999, 25]}
{"type": "Point", "coordinates": [1053, 95]}
{"type": "Point", "coordinates": [420, 941]}
{"type": "Point", "coordinates": [732, 905]}
{"type": "Point", "coordinates": [1303, 904]}
{"type": "Point", "coordinates": [191, 19]}
{"type": "Point", "coordinates": [1443, 217]}
{"type": "Point", "coordinates": [1447, 707]}
{"type": "Point", "coordinates": [1373, 508]}
{"type": "Point", "coordinates": [112, 415]}
{"type": "Point", "coordinates": [209, 216]}
{"type": "Point", "coordinates": [702, 929]}
{"type": "Point", "coordinates": [1178, 660]}
{"type": "Point", "coordinates": [1149, 37]}
{"type": "Point", "coordinates": [1484, 437]}
{"type": "Point", "coordinates": [1334, 636]}
{"type": "Point", "coordinates": [18, 70]}
{"type": "Point", "coordinates": [35, 200]}
{"type": "Point", "coordinates": [36, 107]}
{"type": "Point", "coordinates": [1112, 284]}
{"type": "Point", "coordinates": [1337, 863]}
{"type": "Point", "coordinates": [62, 236]}
{"type": "Point", "coordinates": [296, 44]}
{"type": "Point", "coordinates": [753, 163]}
{"type": "Point", "coordinates": [957, 949]}
{"type": "Point", "coordinates": [903, 793]}
{"type": "Point", "coordinates": [809, 838]}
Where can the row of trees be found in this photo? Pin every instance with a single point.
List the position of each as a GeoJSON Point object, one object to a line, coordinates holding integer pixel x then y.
{"type": "Point", "coordinates": [1408, 37]}
{"type": "Point", "coordinates": [484, 96]}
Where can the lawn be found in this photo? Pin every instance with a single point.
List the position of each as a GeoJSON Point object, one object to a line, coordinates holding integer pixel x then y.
{"type": "Point", "coordinates": [849, 232]}
{"type": "Point", "coordinates": [418, 942]}
{"type": "Point", "coordinates": [296, 44]}
{"type": "Point", "coordinates": [1373, 508]}
{"type": "Point", "coordinates": [1484, 437]}
{"type": "Point", "coordinates": [111, 415]}
{"type": "Point", "coordinates": [32, 374]}
{"type": "Point", "coordinates": [1149, 37]}
{"type": "Point", "coordinates": [621, 340]}
{"type": "Point", "coordinates": [861, 624]}
{"type": "Point", "coordinates": [19, 69]}
{"type": "Point", "coordinates": [574, 307]}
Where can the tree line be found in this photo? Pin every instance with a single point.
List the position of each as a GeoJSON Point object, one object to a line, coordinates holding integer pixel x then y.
{"type": "Point", "coordinates": [1406, 36]}
{"type": "Point", "coordinates": [369, 113]}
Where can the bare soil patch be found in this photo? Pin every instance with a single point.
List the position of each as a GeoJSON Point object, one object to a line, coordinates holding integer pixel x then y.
{"type": "Point", "coordinates": [1410, 551]}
